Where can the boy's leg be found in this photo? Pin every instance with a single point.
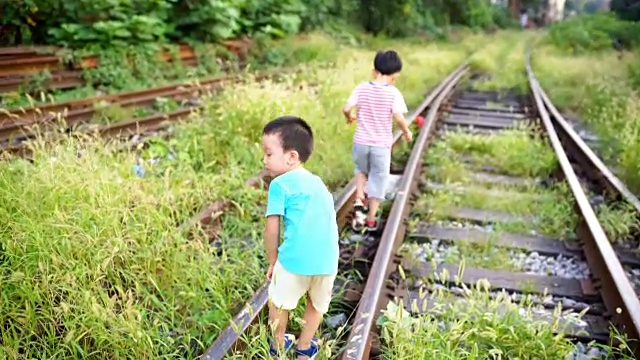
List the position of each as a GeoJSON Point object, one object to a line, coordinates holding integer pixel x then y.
{"type": "Point", "coordinates": [380, 164]}
{"type": "Point", "coordinates": [285, 290]}
{"type": "Point", "coordinates": [318, 301]}
{"type": "Point", "coordinates": [362, 164]}
{"type": "Point", "coordinates": [374, 204]}
{"type": "Point", "coordinates": [312, 319]}
{"type": "Point", "coordinates": [278, 321]}
{"type": "Point", "coordinates": [361, 182]}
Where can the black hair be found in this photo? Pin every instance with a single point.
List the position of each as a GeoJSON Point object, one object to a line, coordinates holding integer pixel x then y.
{"type": "Point", "coordinates": [387, 62]}
{"type": "Point", "coordinates": [295, 134]}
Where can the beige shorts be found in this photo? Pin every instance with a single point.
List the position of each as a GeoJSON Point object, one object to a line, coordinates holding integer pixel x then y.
{"type": "Point", "coordinates": [286, 289]}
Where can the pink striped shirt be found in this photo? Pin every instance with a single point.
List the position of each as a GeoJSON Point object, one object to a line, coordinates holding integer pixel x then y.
{"type": "Point", "coordinates": [376, 104]}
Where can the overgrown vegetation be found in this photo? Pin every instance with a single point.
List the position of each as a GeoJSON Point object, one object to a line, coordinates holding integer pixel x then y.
{"type": "Point", "coordinates": [470, 321]}
{"type": "Point", "coordinates": [127, 38]}
{"type": "Point", "coordinates": [117, 22]}
{"type": "Point", "coordinates": [599, 86]}
{"type": "Point", "coordinates": [516, 153]}
{"type": "Point", "coordinates": [93, 258]}
{"type": "Point", "coordinates": [130, 68]}
{"type": "Point", "coordinates": [594, 32]}
{"type": "Point", "coordinates": [477, 326]}
{"type": "Point", "coordinates": [454, 333]}
{"type": "Point", "coordinates": [503, 63]}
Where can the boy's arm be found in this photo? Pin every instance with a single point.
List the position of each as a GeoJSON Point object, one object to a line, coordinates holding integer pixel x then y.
{"type": "Point", "coordinates": [402, 122]}
{"type": "Point", "coordinates": [399, 109]}
{"type": "Point", "coordinates": [272, 238]}
{"type": "Point", "coordinates": [352, 102]}
{"type": "Point", "coordinates": [348, 113]}
{"type": "Point", "coordinates": [275, 209]}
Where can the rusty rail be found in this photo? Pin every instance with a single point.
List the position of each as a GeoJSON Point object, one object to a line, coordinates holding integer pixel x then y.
{"type": "Point", "coordinates": [583, 154]}
{"type": "Point", "coordinates": [617, 293]}
{"type": "Point", "coordinates": [28, 61]}
{"type": "Point", "coordinates": [83, 112]}
{"type": "Point", "coordinates": [25, 51]}
{"type": "Point", "coordinates": [26, 116]}
{"type": "Point", "coordinates": [30, 65]}
{"type": "Point", "coordinates": [229, 339]}
{"type": "Point", "coordinates": [359, 341]}
{"type": "Point", "coordinates": [18, 64]}
{"type": "Point", "coordinates": [59, 80]}
{"type": "Point", "coordinates": [18, 121]}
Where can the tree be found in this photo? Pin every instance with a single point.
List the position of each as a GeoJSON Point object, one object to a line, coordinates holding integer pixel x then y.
{"type": "Point", "coordinates": [626, 9]}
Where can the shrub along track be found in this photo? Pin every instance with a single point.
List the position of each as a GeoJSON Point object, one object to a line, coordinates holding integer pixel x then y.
{"type": "Point", "coordinates": [500, 208]}
{"type": "Point", "coordinates": [17, 125]}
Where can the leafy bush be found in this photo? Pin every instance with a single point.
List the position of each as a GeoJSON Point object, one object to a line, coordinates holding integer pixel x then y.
{"type": "Point", "coordinates": [626, 9]}
{"type": "Point", "coordinates": [594, 32]}
{"type": "Point", "coordinates": [634, 72]}
{"type": "Point", "coordinates": [108, 22]}
{"type": "Point", "coordinates": [77, 23]}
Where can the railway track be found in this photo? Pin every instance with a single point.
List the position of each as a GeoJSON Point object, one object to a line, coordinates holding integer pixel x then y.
{"type": "Point", "coordinates": [544, 244]}
{"type": "Point", "coordinates": [19, 64]}
{"type": "Point", "coordinates": [18, 125]}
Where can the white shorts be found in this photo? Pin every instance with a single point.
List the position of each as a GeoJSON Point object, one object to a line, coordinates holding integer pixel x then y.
{"type": "Point", "coordinates": [286, 289]}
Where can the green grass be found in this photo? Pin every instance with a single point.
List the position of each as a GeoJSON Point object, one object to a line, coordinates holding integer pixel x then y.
{"type": "Point", "coordinates": [601, 88]}
{"type": "Point", "coordinates": [472, 329]}
{"type": "Point", "coordinates": [503, 60]}
{"type": "Point", "coordinates": [520, 153]}
{"type": "Point", "coordinates": [483, 254]}
{"type": "Point", "coordinates": [108, 269]}
{"type": "Point", "coordinates": [93, 257]}
{"type": "Point", "coordinates": [513, 152]}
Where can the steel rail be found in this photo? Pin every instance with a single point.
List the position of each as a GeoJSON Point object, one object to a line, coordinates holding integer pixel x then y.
{"type": "Point", "coordinates": [22, 116]}
{"type": "Point", "coordinates": [586, 157]}
{"type": "Point", "coordinates": [58, 80]}
{"type": "Point", "coordinates": [75, 112]}
{"type": "Point", "coordinates": [617, 292]}
{"type": "Point", "coordinates": [135, 126]}
{"type": "Point", "coordinates": [27, 64]}
{"type": "Point", "coordinates": [144, 125]}
{"type": "Point", "coordinates": [229, 339]}
{"type": "Point", "coordinates": [359, 341]}
{"type": "Point", "coordinates": [22, 62]}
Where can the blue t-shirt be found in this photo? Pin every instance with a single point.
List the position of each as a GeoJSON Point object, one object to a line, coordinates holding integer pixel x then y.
{"type": "Point", "coordinates": [310, 244]}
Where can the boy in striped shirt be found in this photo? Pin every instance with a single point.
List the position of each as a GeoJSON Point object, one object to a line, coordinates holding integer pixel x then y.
{"type": "Point", "coordinates": [378, 102]}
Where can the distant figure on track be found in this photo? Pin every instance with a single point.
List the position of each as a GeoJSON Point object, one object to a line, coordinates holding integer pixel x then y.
{"type": "Point", "coordinates": [524, 20]}
{"type": "Point", "coordinates": [377, 102]}
{"type": "Point", "coordinates": [307, 260]}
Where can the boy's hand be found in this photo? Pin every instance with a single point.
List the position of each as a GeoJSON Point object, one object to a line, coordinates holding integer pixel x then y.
{"type": "Point", "coordinates": [270, 272]}
{"type": "Point", "coordinates": [408, 136]}
{"type": "Point", "coordinates": [352, 118]}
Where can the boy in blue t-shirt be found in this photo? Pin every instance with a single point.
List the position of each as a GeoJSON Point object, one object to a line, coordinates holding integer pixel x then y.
{"type": "Point", "coordinates": [307, 260]}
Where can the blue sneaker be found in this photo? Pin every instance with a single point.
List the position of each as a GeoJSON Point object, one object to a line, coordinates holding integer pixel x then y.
{"type": "Point", "coordinates": [312, 351]}
{"type": "Point", "coordinates": [288, 344]}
